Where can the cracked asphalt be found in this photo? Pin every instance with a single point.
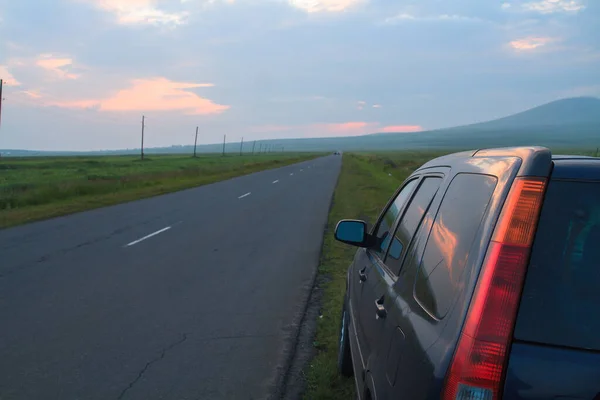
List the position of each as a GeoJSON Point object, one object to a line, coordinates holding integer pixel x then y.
{"type": "Point", "coordinates": [192, 295]}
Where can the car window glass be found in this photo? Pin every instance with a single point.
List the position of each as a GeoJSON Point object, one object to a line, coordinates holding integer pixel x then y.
{"type": "Point", "coordinates": [561, 295]}
{"type": "Point", "coordinates": [410, 222]}
{"type": "Point", "coordinates": [454, 229]}
{"type": "Point", "coordinates": [387, 222]}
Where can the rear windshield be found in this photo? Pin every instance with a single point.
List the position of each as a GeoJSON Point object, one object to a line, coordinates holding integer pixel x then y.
{"type": "Point", "coordinates": [561, 297]}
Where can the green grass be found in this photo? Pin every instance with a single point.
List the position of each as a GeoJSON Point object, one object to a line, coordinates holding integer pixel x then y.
{"type": "Point", "coordinates": [38, 188]}
{"type": "Point", "coordinates": [364, 187]}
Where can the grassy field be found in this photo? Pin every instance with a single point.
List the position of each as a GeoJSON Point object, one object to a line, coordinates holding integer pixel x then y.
{"type": "Point", "coordinates": [37, 188]}
{"type": "Point", "coordinates": [366, 183]}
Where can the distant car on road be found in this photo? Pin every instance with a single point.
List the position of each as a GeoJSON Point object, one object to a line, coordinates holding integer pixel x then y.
{"type": "Point", "coordinates": [336, 153]}
{"type": "Point", "coordinates": [480, 280]}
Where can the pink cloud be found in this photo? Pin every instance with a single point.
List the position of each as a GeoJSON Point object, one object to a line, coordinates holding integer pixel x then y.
{"type": "Point", "coordinates": [315, 6]}
{"type": "Point", "coordinates": [56, 66]}
{"type": "Point", "coordinates": [132, 12]}
{"type": "Point", "coordinates": [156, 94]}
{"type": "Point", "coordinates": [351, 128]}
{"type": "Point", "coordinates": [401, 128]}
{"type": "Point", "coordinates": [346, 127]}
{"type": "Point", "coordinates": [32, 94]}
{"type": "Point", "coordinates": [7, 77]}
{"type": "Point", "coordinates": [530, 43]}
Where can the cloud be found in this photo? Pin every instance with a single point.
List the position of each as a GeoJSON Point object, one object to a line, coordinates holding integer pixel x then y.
{"type": "Point", "coordinates": [401, 128]}
{"type": "Point", "coordinates": [530, 43]}
{"type": "Point", "coordinates": [7, 77]}
{"type": "Point", "coordinates": [56, 66]}
{"type": "Point", "coordinates": [157, 94]}
{"type": "Point", "coordinates": [361, 105]}
{"type": "Point", "coordinates": [505, 6]}
{"type": "Point", "coordinates": [553, 6]}
{"type": "Point", "coordinates": [377, 106]}
{"type": "Point", "coordinates": [132, 12]}
{"type": "Point", "coordinates": [352, 128]}
{"type": "Point", "coordinates": [315, 6]}
{"type": "Point", "coordinates": [346, 127]}
{"type": "Point", "coordinates": [32, 94]}
{"type": "Point", "coordinates": [404, 17]}
{"type": "Point", "coordinates": [360, 128]}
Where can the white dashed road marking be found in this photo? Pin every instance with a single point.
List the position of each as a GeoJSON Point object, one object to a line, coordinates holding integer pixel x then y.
{"type": "Point", "coordinates": [276, 181]}
{"type": "Point", "coordinates": [149, 236]}
{"type": "Point", "coordinates": [244, 195]}
{"type": "Point", "coordinates": [291, 174]}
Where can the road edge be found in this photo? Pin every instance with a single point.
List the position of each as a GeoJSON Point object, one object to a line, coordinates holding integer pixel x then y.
{"type": "Point", "coordinates": [291, 382]}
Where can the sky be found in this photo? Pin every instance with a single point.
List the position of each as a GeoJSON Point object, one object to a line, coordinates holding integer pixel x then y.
{"type": "Point", "coordinates": [79, 74]}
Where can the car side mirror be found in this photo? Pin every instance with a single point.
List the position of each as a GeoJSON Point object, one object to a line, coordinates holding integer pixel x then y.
{"type": "Point", "coordinates": [353, 232]}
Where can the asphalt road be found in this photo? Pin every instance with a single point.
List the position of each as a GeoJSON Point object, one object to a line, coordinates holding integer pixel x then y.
{"type": "Point", "coordinates": [192, 295]}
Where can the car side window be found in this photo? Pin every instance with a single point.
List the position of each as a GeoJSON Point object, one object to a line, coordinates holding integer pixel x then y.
{"type": "Point", "coordinates": [410, 221]}
{"type": "Point", "coordinates": [386, 223]}
{"type": "Point", "coordinates": [440, 275]}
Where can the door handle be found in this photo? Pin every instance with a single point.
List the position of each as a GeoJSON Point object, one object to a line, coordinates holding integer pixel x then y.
{"type": "Point", "coordinates": [362, 277]}
{"type": "Point", "coordinates": [380, 312]}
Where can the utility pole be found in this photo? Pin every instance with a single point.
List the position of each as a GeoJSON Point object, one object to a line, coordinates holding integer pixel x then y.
{"type": "Point", "coordinates": [224, 138]}
{"type": "Point", "coordinates": [196, 142]}
{"type": "Point", "coordinates": [253, 146]}
{"type": "Point", "coordinates": [259, 148]}
{"type": "Point", "coordinates": [1, 82]}
{"type": "Point", "coordinates": [143, 125]}
{"type": "Point", "coordinates": [241, 145]}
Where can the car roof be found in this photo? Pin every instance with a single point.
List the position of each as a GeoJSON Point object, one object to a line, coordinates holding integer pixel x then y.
{"type": "Point", "coordinates": [536, 161]}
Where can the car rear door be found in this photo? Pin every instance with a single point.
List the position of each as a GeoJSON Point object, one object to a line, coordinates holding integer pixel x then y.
{"type": "Point", "coordinates": [556, 348]}
{"type": "Point", "coordinates": [381, 298]}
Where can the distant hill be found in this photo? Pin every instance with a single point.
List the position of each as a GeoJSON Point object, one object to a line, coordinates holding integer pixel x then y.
{"type": "Point", "coordinates": [573, 122]}
{"type": "Point", "coordinates": [563, 123]}
{"type": "Point", "coordinates": [574, 111]}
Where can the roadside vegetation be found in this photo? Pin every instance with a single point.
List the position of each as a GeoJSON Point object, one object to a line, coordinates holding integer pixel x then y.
{"type": "Point", "coordinates": [366, 183]}
{"type": "Point", "coordinates": [36, 188]}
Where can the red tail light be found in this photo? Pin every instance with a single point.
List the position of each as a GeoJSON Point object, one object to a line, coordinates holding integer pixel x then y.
{"type": "Point", "coordinates": [480, 357]}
